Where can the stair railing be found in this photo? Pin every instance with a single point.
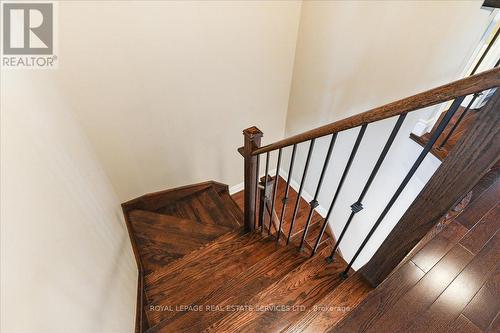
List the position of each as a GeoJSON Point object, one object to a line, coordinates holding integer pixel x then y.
{"type": "Point", "coordinates": [455, 91]}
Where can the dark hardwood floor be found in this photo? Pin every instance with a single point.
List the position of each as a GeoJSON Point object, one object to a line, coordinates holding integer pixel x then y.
{"type": "Point", "coordinates": [452, 284]}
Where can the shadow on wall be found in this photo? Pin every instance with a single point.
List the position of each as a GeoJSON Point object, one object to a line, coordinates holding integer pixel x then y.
{"type": "Point", "coordinates": [64, 243]}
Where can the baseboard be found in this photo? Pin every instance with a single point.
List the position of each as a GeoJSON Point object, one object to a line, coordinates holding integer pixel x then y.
{"type": "Point", "coordinates": [141, 324]}
{"type": "Point", "coordinates": [305, 195]}
{"type": "Point", "coordinates": [241, 186]}
{"type": "Point", "coordinates": [236, 188]}
{"type": "Point", "coordinates": [423, 126]}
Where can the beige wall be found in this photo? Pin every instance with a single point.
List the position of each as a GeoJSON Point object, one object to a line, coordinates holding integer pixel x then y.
{"type": "Point", "coordinates": [164, 89]}
{"type": "Point", "coordinates": [147, 96]}
{"type": "Point", "coordinates": [355, 55]}
{"type": "Point", "coordinates": [66, 260]}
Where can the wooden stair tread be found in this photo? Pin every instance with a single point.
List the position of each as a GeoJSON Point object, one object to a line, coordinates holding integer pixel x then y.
{"type": "Point", "coordinates": [312, 235]}
{"type": "Point", "coordinates": [302, 212]}
{"type": "Point", "coordinates": [301, 217]}
{"type": "Point", "coordinates": [177, 266]}
{"type": "Point", "coordinates": [300, 290]}
{"type": "Point", "coordinates": [205, 206]}
{"type": "Point", "coordinates": [333, 307]}
{"type": "Point", "coordinates": [232, 207]}
{"type": "Point", "coordinates": [196, 278]}
{"type": "Point", "coordinates": [238, 291]}
{"type": "Point", "coordinates": [218, 208]}
{"type": "Point", "coordinates": [300, 224]}
{"type": "Point", "coordinates": [162, 239]}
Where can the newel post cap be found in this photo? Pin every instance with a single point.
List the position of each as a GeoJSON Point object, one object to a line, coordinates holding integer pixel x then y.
{"type": "Point", "coordinates": [252, 133]}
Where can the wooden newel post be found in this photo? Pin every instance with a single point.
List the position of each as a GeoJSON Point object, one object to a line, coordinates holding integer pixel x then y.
{"type": "Point", "coordinates": [252, 137]}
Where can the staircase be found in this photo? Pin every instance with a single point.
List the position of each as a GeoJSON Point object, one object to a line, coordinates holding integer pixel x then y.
{"type": "Point", "coordinates": [208, 265]}
{"type": "Point", "coordinates": [203, 273]}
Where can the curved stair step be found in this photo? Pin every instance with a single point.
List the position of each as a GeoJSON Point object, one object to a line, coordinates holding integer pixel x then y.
{"type": "Point", "coordinates": [196, 277]}
{"type": "Point", "coordinates": [205, 206]}
{"type": "Point", "coordinates": [299, 290]}
{"type": "Point", "coordinates": [333, 307]}
{"type": "Point", "coordinates": [232, 206]}
{"type": "Point", "coordinates": [162, 238]}
{"type": "Point", "coordinates": [238, 291]}
{"type": "Point", "coordinates": [313, 234]}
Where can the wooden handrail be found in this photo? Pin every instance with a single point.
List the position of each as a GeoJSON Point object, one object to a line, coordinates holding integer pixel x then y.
{"type": "Point", "coordinates": [469, 85]}
{"type": "Point", "coordinates": [476, 152]}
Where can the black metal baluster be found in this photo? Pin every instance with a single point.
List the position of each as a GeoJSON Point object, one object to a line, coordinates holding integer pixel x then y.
{"type": "Point", "coordinates": [358, 205]}
{"type": "Point", "coordinates": [297, 202]}
{"type": "Point", "coordinates": [274, 191]}
{"type": "Point", "coordinates": [485, 53]}
{"type": "Point", "coordinates": [265, 194]}
{"type": "Point", "coordinates": [441, 145]}
{"type": "Point", "coordinates": [341, 183]}
{"type": "Point", "coordinates": [314, 201]}
{"type": "Point", "coordinates": [446, 119]}
{"type": "Point", "coordinates": [459, 120]}
{"type": "Point", "coordinates": [285, 198]}
{"type": "Point", "coordinates": [255, 219]}
{"type": "Point", "coordinates": [476, 95]}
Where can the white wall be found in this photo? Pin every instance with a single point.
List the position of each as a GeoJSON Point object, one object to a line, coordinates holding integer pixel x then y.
{"type": "Point", "coordinates": [66, 260]}
{"type": "Point", "coordinates": [355, 55]}
{"type": "Point", "coordinates": [164, 89]}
